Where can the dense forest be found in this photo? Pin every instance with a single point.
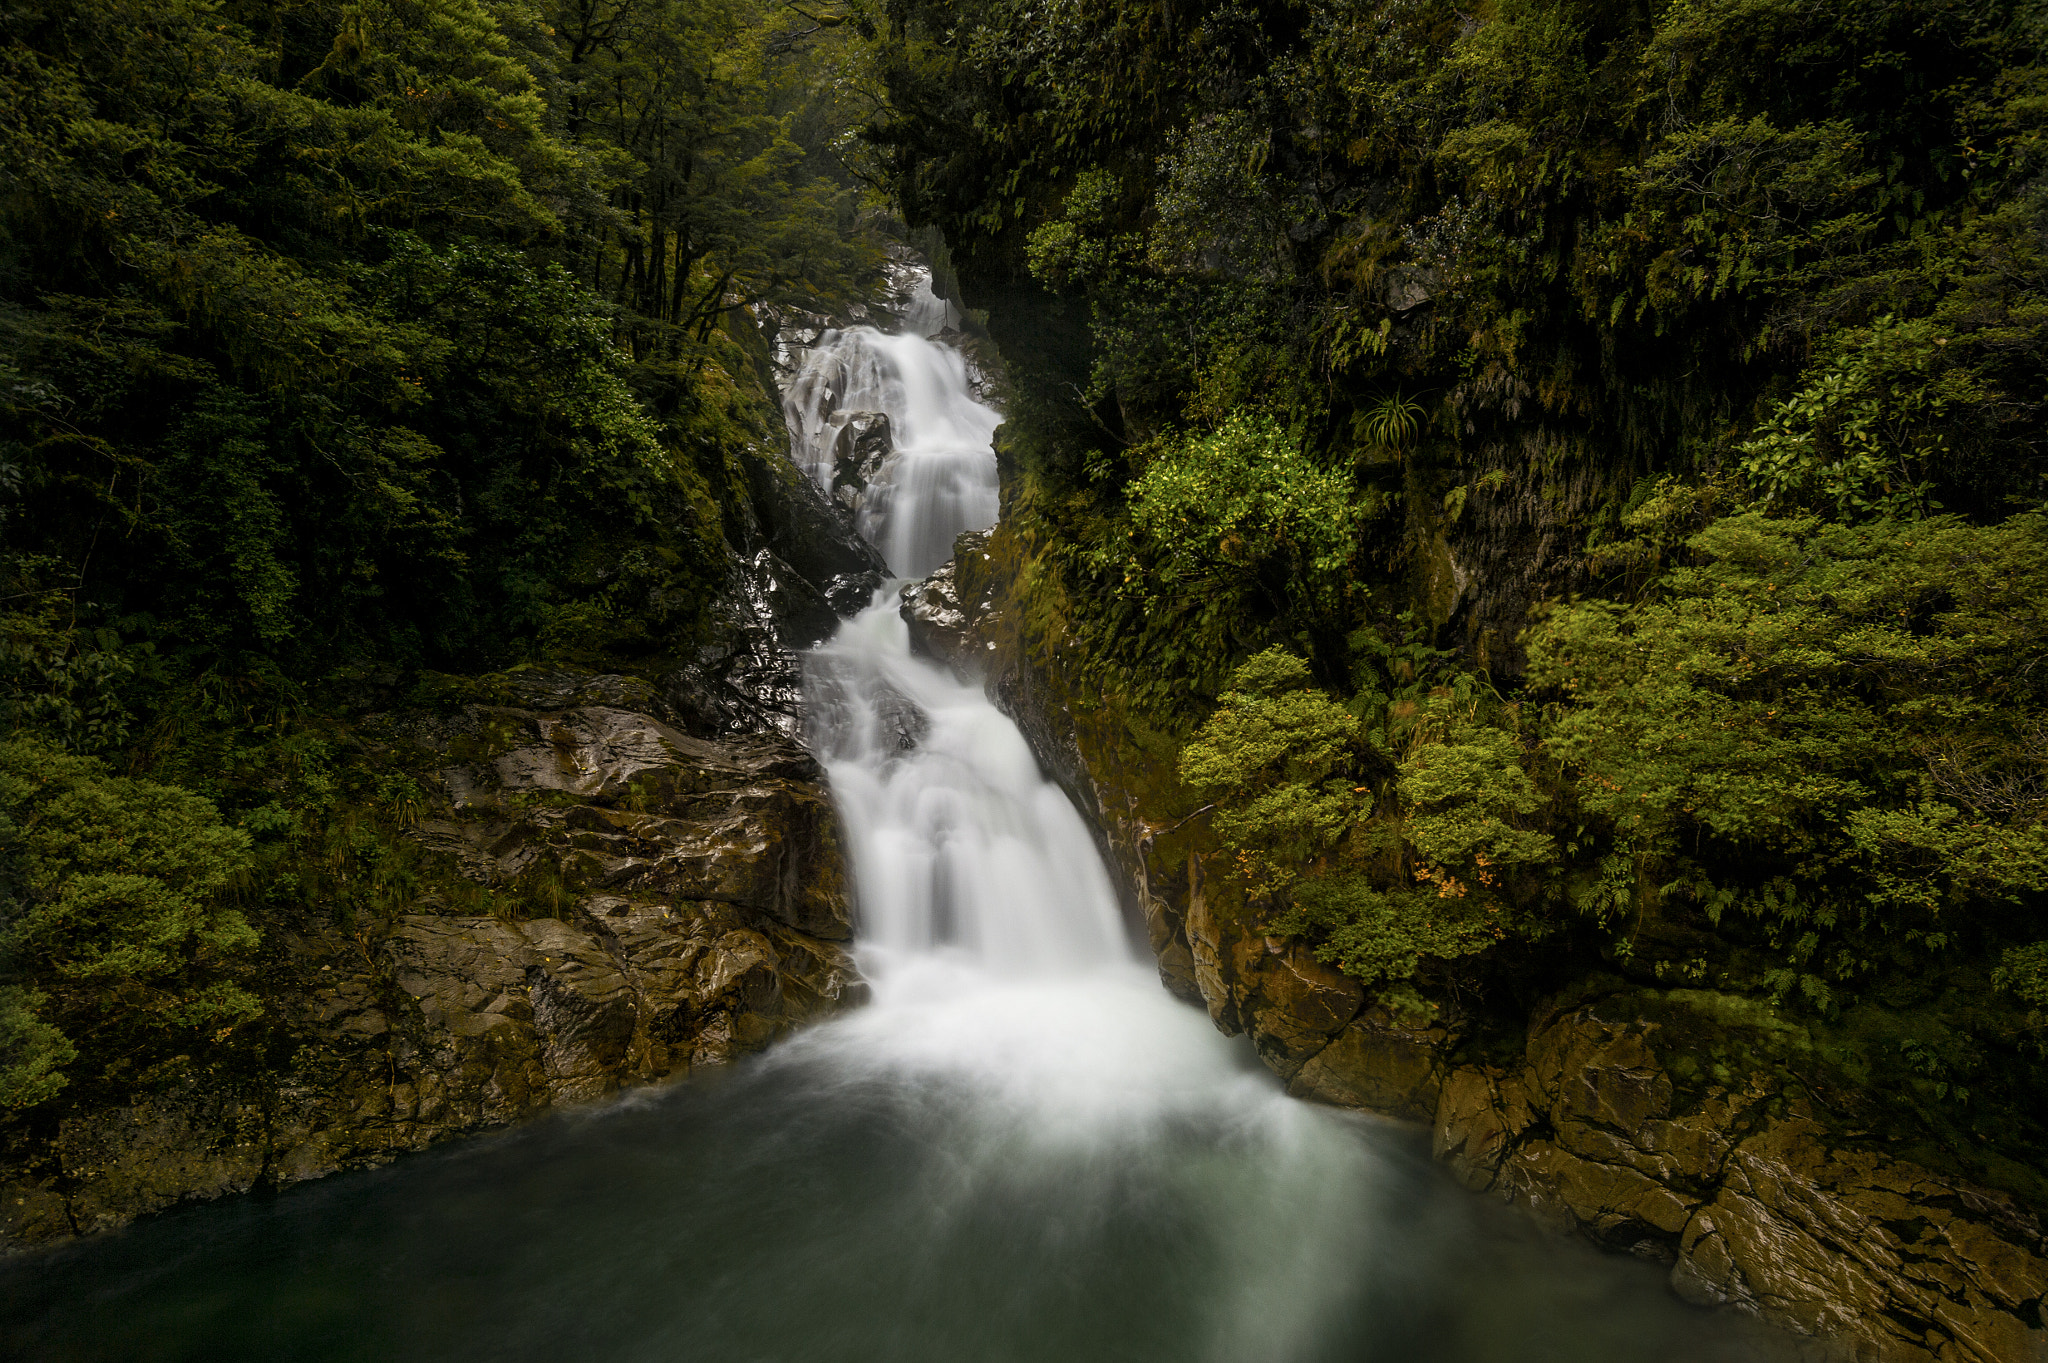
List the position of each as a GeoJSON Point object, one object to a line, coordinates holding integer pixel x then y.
{"type": "Point", "coordinates": [1550, 484]}
{"type": "Point", "coordinates": [1547, 484]}
{"type": "Point", "coordinates": [399, 340]}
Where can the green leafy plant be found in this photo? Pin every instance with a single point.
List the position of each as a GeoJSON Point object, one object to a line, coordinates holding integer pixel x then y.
{"type": "Point", "coordinates": [117, 908]}
{"type": "Point", "coordinates": [1247, 507]}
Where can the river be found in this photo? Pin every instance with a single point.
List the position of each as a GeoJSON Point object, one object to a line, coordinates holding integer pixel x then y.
{"type": "Point", "coordinates": [1022, 1149]}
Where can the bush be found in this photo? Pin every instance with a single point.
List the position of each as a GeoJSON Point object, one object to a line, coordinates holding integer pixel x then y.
{"type": "Point", "coordinates": [1832, 731]}
{"type": "Point", "coordinates": [114, 901]}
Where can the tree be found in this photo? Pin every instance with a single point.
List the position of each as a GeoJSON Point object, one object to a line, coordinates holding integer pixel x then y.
{"type": "Point", "coordinates": [115, 897]}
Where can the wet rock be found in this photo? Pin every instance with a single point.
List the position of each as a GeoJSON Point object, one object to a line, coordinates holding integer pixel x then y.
{"type": "Point", "coordinates": [903, 724]}
{"type": "Point", "coordinates": [157, 1152]}
{"type": "Point", "coordinates": [1853, 1244]}
{"type": "Point", "coordinates": [939, 626]}
{"type": "Point", "coordinates": [1407, 287]}
{"type": "Point", "coordinates": [1767, 1214]}
{"type": "Point", "coordinates": [745, 822]}
{"type": "Point", "coordinates": [1479, 1113]}
{"type": "Point", "coordinates": [1296, 1004]}
{"type": "Point", "coordinates": [1380, 1063]}
{"type": "Point", "coordinates": [987, 377]}
{"type": "Point", "coordinates": [864, 445]}
{"type": "Point", "coordinates": [702, 912]}
{"type": "Point", "coordinates": [799, 566]}
{"type": "Point", "coordinates": [744, 678]}
{"type": "Point", "coordinates": [811, 536]}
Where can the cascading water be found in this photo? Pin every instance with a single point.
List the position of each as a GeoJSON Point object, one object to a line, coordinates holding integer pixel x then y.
{"type": "Point", "coordinates": [1022, 1151]}
{"type": "Point", "coordinates": [939, 478]}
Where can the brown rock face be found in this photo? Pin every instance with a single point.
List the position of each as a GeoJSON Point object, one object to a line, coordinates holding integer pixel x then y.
{"type": "Point", "coordinates": [703, 908]}
{"type": "Point", "coordinates": [1756, 1204]}
{"type": "Point", "coordinates": [1378, 1063]}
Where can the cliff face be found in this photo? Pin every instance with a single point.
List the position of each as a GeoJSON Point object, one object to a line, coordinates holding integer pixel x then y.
{"type": "Point", "coordinates": [702, 911]}
{"type": "Point", "coordinates": [1706, 1130]}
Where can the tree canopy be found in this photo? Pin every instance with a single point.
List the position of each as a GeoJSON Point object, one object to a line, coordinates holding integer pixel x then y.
{"type": "Point", "coordinates": [347, 338]}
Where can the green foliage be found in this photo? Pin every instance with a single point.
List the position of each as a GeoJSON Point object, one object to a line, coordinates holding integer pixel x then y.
{"type": "Point", "coordinates": [1379, 886]}
{"type": "Point", "coordinates": [32, 1052]}
{"type": "Point", "coordinates": [1606, 246]}
{"type": "Point", "coordinates": [116, 895]}
{"type": "Point", "coordinates": [1462, 790]}
{"type": "Point", "coordinates": [1277, 758]}
{"type": "Point", "coordinates": [1380, 936]}
{"type": "Point", "coordinates": [1864, 434]}
{"type": "Point", "coordinates": [1831, 731]}
{"type": "Point", "coordinates": [2024, 971]}
{"type": "Point", "coordinates": [1071, 249]}
{"type": "Point", "coordinates": [348, 341]}
{"type": "Point", "coordinates": [1391, 423]}
{"type": "Point", "coordinates": [1718, 325]}
{"type": "Point", "coordinates": [700, 106]}
{"type": "Point", "coordinates": [1245, 508]}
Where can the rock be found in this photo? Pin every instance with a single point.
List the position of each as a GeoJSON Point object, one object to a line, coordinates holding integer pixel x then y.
{"type": "Point", "coordinates": [745, 677]}
{"type": "Point", "coordinates": [702, 912]}
{"type": "Point", "coordinates": [746, 822]}
{"type": "Point", "coordinates": [1407, 287]}
{"type": "Point", "coordinates": [1836, 1242]}
{"type": "Point", "coordinates": [1379, 1063]}
{"type": "Point", "coordinates": [799, 567]}
{"type": "Point", "coordinates": [939, 627]}
{"type": "Point", "coordinates": [1295, 1004]}
{"type": "Point", "coordinates": [1479, 1113]}
{"type": "Point", "coordinates": [987, 377]}
{"type": "Point", "coordinates": [864, 445]}
{"type": "Point", "coordinates": [904, 725]}
{"type": "Point", "coordinates": [1766, 1214]}
{"type": "Point", "coordinates": [157, 1152]}
{"type": "Point", "coordinates": [1587, 1070]}
{"type": "Point", "coordinates": [1614, 1204]}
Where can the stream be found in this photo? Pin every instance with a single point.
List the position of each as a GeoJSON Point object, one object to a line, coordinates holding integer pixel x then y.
{"type": "Point", "coordinates": [1022, 1149]}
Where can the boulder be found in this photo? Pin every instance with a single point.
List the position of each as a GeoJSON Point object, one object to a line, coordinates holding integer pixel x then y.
{"type": "Point", "coordinates": [1381, 1063]}
{"type": "Point", "coordinates": [863, 446]}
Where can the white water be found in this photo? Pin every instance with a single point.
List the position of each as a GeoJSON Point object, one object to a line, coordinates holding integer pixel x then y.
{"type": "Point", "coordinates": [1005, 989]}
{"type": "Point", "coordinates": [941, 478]}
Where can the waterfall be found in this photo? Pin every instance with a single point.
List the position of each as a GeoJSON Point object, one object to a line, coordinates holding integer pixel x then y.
{"type": "Point", "coordinates": [961, 848]}
{"type": "Point", "coordinates": [1022, 1151]}
{"type": "Point", "coordinates": [1003, 978]}
{"type": "Point", "coordinates": [937, 476]}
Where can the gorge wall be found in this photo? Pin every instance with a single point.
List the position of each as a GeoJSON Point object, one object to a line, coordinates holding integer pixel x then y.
{"type": "Point", "coordinates": [1706, 1130]}
{"type": "Point", "coordinates": [703, 912]}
